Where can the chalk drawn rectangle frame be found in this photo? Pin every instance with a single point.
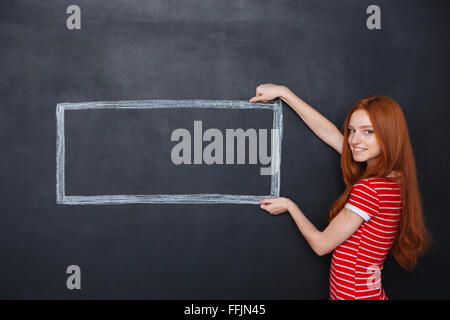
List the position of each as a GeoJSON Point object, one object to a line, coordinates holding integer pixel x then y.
{"type": "Point", "coordinates": [203, 198]}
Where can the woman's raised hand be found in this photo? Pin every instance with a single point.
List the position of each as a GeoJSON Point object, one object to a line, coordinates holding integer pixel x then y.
{"type": "Point", "coordinates": [268, 91]}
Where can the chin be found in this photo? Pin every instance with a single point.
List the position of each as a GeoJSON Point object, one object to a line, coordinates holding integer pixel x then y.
{"type": "Point", "coordinates": [363, 159]}
{"type": "Point", "coordinates": [360, 159]}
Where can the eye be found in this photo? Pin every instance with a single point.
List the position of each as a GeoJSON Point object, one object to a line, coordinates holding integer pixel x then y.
{"type": "Point", "coordinates": [351, 130]}
{"type": "Point", "coordinates": [368, 131]}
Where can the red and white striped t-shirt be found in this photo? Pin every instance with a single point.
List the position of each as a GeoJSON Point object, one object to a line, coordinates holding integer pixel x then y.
{"type": "Point", "coordinates": [356, 264]}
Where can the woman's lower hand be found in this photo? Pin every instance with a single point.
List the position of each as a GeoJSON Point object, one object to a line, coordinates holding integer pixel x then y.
{"type": "Point", "coordinates": [276, 205]}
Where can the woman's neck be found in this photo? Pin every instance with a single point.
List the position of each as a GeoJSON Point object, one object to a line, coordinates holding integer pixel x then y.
{"type": "Point", "coordinates": [394, 174]}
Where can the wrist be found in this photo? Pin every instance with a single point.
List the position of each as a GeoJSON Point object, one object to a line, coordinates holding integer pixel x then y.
{"type": "Point", "coordinates": [285, 93]}
{"type": "Point", "coordinates": [290, 205]}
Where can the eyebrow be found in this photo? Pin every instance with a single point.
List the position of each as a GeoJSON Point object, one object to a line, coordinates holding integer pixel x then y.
{"type": "Point", "coordinates": [362, 127]}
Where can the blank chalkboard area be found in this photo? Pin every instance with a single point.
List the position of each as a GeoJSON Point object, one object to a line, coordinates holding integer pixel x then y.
{"type": "Point", "coordinates": [202, 50]}
{"type": "Point", "coordinates": [120, 152]}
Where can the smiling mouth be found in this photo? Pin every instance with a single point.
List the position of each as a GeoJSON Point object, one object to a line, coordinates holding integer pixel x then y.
{"type": "Point", "coordinates": [360, 149]}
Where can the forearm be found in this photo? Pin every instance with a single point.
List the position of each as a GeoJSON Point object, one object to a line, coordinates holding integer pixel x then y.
{"type": "Point", "coordinates": [320, 125]}
{"type": "Point", "coordinates": [312, 235]}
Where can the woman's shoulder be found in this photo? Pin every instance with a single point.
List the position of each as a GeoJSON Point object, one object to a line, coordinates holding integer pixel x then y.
{"type": "Point", "coordinates": [377, 182]}
{"type": "Point", "coordinates": [366, 184]}
{"type": "Point", "coordinates": [374, 187]}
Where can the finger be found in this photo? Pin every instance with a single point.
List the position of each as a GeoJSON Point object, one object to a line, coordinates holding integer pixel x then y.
{"type": "Point", "coordinates": [266, 206]}
{"type": "Point", "coordinates": [262, 85]}
{"type": "Point", "coordinates": [267, 210]}
{"type": "Point", "coordinates": [257, 98]}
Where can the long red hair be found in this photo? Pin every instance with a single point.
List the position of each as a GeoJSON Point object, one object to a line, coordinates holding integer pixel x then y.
{"type": "Point", "coordinates": [389, 123]}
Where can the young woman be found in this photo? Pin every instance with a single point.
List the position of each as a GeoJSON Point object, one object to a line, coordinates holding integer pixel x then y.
{"type": "Point", "coordinates": [380, 208]}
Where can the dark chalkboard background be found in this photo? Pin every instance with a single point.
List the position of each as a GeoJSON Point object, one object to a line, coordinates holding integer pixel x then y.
{"type": "Point", "coordinates": [173, 49]}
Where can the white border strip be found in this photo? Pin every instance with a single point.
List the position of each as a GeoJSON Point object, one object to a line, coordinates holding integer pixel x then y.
{"type": "Point", "coordinates": [358, 211]}
{"type": "Point", "coordinates": [211, 198]}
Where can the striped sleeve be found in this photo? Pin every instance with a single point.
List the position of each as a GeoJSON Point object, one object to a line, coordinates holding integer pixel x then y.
{"type": "Point", "coordinates": [363, 200]}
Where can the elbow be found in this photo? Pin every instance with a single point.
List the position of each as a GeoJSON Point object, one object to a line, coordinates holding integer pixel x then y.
{"type": "Point", "coordinates": [321, 245]}
{"type": "Point", "coordinates": [321, 251]}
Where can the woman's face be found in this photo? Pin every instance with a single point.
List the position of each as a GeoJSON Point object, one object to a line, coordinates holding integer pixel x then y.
{"type": "Point", "coordinates": [362, 138]}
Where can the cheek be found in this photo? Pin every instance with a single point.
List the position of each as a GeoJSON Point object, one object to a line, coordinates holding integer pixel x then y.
{"type": "Point", "coordinates": [375, 146]}
{"type": "Point", "coordinates": [349, 139]}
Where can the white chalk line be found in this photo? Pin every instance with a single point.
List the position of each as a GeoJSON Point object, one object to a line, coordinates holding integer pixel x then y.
{"type": "Point", "coordinates": [210, 198]}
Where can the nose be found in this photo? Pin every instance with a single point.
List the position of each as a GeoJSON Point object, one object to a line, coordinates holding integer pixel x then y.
{"type": "Point", "coordinates": [354, 138]}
